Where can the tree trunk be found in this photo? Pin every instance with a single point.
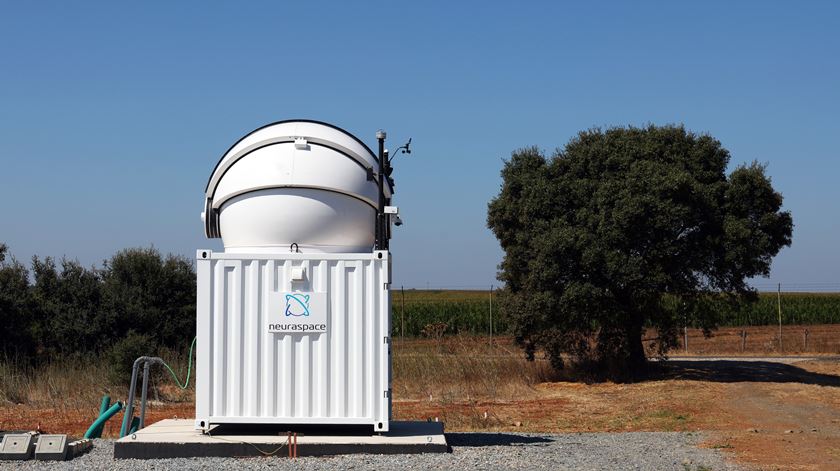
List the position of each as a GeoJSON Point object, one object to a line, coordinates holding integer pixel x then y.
{"type": "Point", "coordinates": [627, 362]}
{"type": "Point", "coordinates": [636, 359]}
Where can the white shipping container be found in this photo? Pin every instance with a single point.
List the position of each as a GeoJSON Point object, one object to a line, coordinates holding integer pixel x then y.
{"type": "Point", "coordinates": [293, 338]}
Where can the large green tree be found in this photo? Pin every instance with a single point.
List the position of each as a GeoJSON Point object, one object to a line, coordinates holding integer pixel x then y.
{"type": "Point", "coordinates": [67, 301]}
{"type": "Point", "coordinates": [148, 293]}
{"type": "Point", "coordinates": [626, 228]}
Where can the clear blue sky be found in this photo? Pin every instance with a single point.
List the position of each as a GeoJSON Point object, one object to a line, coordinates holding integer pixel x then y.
{"type": "Point", "coordinates": [113, 115]}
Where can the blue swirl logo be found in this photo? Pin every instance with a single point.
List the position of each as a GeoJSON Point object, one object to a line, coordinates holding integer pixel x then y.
{"type": "Point", "coordinates": [297, 305]}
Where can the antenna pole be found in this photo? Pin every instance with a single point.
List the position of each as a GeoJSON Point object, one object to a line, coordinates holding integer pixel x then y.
{"type": "Point", "coordinates": [381, 218]}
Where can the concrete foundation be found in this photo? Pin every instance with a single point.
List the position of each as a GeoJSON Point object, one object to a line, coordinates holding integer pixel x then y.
{"type": "Point", "coordinates": [177, 438]}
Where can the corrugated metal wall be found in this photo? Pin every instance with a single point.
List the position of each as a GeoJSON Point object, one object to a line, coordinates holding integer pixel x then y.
{"type": "Point", "coordinates": [247, 374]}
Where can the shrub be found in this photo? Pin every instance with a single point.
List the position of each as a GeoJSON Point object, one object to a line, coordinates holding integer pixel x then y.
{"type": "Point", "coordinates": [122, 355]}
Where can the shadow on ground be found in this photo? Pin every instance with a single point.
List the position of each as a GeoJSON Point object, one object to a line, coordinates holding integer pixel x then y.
{"type": "Point", "coordinates": [492, 439]}
{"type": "Point", "coordinates": [732, 371]}
{"type": "Point", "coordinates": [306, 429]}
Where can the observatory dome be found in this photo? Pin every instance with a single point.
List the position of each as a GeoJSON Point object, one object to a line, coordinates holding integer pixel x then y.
{"type": "Point", "coordinates": [294, 182]}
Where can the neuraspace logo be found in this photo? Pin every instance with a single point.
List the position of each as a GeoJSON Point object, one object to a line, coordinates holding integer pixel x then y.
{"type": "Point", "coordinates": [299, 313]}
{"type": "Point", "coordinates": [297, 305]}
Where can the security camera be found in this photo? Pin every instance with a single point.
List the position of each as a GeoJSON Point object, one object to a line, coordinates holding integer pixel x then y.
{"type": "Point", "coordinates": [397, 221]}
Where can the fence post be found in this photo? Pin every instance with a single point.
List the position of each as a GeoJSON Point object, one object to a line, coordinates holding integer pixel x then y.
{"type": "Point", "coordinates": [402, 314]}
{"type": "Point", "coordinates": [685, 327]}
{"type": "Point", "coordinates": [491, 315]}
{"type": "Point", "coordinates": [779, 299]}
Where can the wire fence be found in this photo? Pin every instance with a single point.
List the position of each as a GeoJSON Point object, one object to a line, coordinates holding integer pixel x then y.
{"type": "Point", "coordinates": [800, 287]}
{"type": "Point", "coordinates": [761, 340]}
{"type": "Point", "coordinates": [792, 317]}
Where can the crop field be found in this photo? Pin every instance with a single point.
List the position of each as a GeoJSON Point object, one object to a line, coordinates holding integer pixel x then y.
{"type": "Point", "coordinates": [797, 308]}
{"type": "Point", "coordinates": [465, 312]}
{"type": "Point", "coordinates": [470, 312]}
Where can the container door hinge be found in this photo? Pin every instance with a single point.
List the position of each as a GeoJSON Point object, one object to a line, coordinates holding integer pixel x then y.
{"type": "Point", "coordinates": [387, 394]}
{"type": "Point", "coordinates": [386, 339]}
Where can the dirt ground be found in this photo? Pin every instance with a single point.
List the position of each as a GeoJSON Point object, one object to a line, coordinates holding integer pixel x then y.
{"type": "Point", "coordinates": [763, 414]}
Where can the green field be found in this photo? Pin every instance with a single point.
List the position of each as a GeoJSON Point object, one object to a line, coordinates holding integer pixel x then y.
{"type": "Point", "coordinates": [468, 312]}
{"type": "Point", "coordinates": [464, 311]}
{"type": "Point", "coordinates": [797, 308]}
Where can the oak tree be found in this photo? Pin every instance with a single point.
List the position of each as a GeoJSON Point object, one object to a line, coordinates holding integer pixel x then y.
{"type": "Point", "coordinates": [624, 229]}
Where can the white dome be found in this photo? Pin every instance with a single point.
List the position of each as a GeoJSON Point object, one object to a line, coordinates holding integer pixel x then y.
{"type": "Point", "coordinates": [294, 182]}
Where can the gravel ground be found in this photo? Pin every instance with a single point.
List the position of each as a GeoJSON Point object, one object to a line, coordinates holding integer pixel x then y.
{"type": "Point", "coordinates": [490, 451]}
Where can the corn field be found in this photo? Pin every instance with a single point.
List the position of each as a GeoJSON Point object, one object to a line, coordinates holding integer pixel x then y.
{"type": "Point", "coordinates": [797, 308]}
{"type": "Point", "coordinates": [469, 312]}
{"type": "Point", "coordinates": [464, 312]}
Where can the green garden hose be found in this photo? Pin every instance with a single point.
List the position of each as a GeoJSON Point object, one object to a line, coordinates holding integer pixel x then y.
{"type": "Point", "coordinates": [100, 421]}
{"type": "Point", "coordinates": [189, 367]}
{"type": "Point", "coordinates": [135, 422]}
{"type": "Point", "coordinates": [106, 403]}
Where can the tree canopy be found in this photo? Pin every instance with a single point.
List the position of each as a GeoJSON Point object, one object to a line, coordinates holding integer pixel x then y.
{"type": "Point", "coordinates": [627, 228]}
{"type": "Point", "coordinates": [16, 336]}
{"type": "Point", "coordinates": [138, 296]}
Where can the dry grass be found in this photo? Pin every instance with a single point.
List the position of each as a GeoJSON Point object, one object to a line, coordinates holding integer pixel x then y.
{"type": "Point", "coordinates": [457, 377]}
{"type": "Point", "coordinates": [59, 397]}
{"type": "Point", "coordinates": [70, 384]}
{"type": "Point", "coordinates": [64, 397]}
{"type": "Point", "coordinates": [472, 385]}
{"type": "Point", "coordinates": [77, 382]}
{"type": "Point", "coordinates": [464, 368]}
{"type": "Point", "coordinates": [457, 380]}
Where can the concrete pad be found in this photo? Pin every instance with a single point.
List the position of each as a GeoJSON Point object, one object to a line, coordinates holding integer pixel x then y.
{"type": "Point", "coordinates": [17, 446]}
{"type": "Point", "coordinates": [177, 438]}
{"type": "Point", "coordinates": [51, 447]}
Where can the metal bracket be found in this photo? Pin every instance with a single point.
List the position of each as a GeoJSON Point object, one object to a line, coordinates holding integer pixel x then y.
{"type": "Point", "coordinates": [301, 143]}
